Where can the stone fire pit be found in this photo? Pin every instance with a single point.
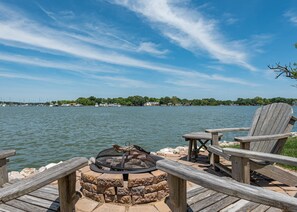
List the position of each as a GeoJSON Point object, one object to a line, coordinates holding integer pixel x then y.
{"type": "Point", "coordinates": [125, 188]}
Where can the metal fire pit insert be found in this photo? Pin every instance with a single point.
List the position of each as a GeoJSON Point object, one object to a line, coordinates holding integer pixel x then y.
{"type": "Point", "coordinates": [124, 160]}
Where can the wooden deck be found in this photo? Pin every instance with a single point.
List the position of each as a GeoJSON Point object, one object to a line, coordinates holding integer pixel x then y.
{"type": "Point", "coordinates": [198, 199]}
{"type": "Point", "coordinates": [41, 200]}
{"type": "Point", "coordinates": [203, 199]}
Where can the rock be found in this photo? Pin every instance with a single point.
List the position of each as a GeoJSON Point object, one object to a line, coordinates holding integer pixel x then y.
{"type": "Point", "coordinates": [137, 190]}
{"type": "Point", "coordinates": [294, 134]}
{"type": "Point", "coordinates": [162, 194]}
{"type": "Point", "coordinates": [143, 179]}
{"type": "Point", "coordinates": [26, 172]}
{"type": "Point", "coordinates": [156, 187]}
{"type": "Point", "coordinates": [41, 169]}
{"type": "Point", "coordinates": [110, 180]}
{"type": "Point", "coordinates": [50, 165]}
{"type": "Point", "coordinates": [14, 175]}
{"type": "Point", "coordinates": [226, 144]}
{"type": "Point", "coordinates": [159, 176]}
{"type": "Point", "coordinates": [90, 177]}
{"type": "Point", "coordinates": [110, 198]}
{"type": "Point", "coordinates": [151, 197]}
{"type": "Point", "coordinates": [89, 187]}
{"type": "Point", "coordinates": [94, 196]}
{"type": "Point", "coordinates": [91, 160]}
{"type": "Point", "coordinates": [124, 199]}
{"type": "Point", "coordinates": [122, 191]}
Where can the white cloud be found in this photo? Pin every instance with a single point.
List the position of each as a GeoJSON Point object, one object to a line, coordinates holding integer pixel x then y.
{"type": "Point", "coordinates": [189, 29]}
{"type": "Point", "coordinates": [291, 16]}
{"type": "Point", "coordinates": [25, 33]}
{"type": "Point", "coordinates": [31, 77]}
{"type": "Point", "coordinates": [151, 48]}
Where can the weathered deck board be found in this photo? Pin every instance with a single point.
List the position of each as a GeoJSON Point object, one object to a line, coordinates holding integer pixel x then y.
{"type": "Point", "coordinates": [203, 199]}
{"type": "Point", "coordinates": [41, 200]}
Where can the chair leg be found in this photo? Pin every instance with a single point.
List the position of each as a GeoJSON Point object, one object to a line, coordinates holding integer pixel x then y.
{"type": "Point", "coordinates": [214, 159]}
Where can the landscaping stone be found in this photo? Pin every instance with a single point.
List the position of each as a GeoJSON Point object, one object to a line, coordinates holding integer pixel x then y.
{"type": "Point", "coordinates": [85, 205]}
{"type": "Point", "coordinates": [144, 208]}
{"type": "Point", "coordinates": [156, 187]}
{"type": "Point", "coordinates": [109, 180]}
{"type": "Point", "coordinates": [124, 199]}
{"type": "Point", "coordinates": [159, 176]}
{"type": "Point", "coordinates": [90, 177]}
{"type": "Point", "coordinates": [139, 190]}
{"type": "Point", "coordinates": [162, 194]}
{"type": "Point", "coordinates": [110, 198]}
{"type": "Point", "coordinates": [123, 191]}
{"type": "Point", "coordinates": [93, 196]}
{"type": "Point", "coordinates": [110, 208]}
{"type": "Point", "coordinates": [26, 172]}
{"type": "Point", "coordinates": [89, 186]}
{"type": "Point", "coordinates": [151, 197]}
{"type": "Point", "coordinates": [110, 191]}
{"type": "Point", "coordinates": [140, 179]}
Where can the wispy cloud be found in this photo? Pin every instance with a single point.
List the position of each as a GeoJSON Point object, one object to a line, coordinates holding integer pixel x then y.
{"type": "Point", "coordinates": [292, 17]}
{"type": "Point", "coordinates": [189, 29]}
{"type": "Point", "coordinates": [150, 47]}
{"type": "Point", "coordinates": [31, 77]}
{"type": "Point", "coordinates": [25, 33]}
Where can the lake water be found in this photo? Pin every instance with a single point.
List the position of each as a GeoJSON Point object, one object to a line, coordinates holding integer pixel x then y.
{"type": "Point", "coordinates": [42, 135]}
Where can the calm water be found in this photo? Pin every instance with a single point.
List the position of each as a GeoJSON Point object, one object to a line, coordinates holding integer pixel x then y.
{"type": "Point", "coordinates": [42, 135]}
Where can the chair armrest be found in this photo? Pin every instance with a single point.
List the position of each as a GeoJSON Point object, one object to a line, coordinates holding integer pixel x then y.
{"type": "Point", "coordinates": [227, 130]}
{"type": "Point", "coordinates": [39, 180]}
{"type": "Point", "coordinates": [262, 137]}
{"type": "Point", "coordinates": [261, 156]}
{"type": "Point", "coordinates": [6, 153]}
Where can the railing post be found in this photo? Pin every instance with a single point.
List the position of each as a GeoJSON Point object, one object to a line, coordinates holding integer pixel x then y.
{"type": "Point", "coordinates": [177, 193]}
{"type": "Point", "coordinates": [67, 192]}
{"type": "Point", "coordinates": [240, 169]}
{"type": "Point", "coordinates": [3, 171]}
{"type": "Point", "coordinates": [213, 157]}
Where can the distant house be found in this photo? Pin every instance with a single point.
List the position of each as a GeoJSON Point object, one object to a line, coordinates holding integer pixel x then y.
{"type": "Point", "coordinates": [151, 104]}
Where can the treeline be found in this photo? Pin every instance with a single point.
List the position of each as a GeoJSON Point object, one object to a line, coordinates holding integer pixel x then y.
{"type": "Point", "coordinates": [174, 101]}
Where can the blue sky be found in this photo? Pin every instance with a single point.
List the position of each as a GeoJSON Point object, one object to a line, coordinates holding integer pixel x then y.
{"type": "Point", "coordinates": [191, 49]}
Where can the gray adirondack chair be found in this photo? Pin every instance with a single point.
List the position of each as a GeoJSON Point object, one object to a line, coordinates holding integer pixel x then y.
{"type": "Point", "coordinates": [271, 126]}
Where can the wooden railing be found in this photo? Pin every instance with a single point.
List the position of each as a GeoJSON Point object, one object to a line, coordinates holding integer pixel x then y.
{"type": "Point", "coordinates": [179, 173]}
{"type": "Point", "coordinates": [64, 172]}
{"type": "Point", "coordinates": [3, 165]}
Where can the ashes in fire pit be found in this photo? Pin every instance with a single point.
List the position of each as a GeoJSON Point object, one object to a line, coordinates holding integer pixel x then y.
{"type": "Point", "coordinates": [124, 160]}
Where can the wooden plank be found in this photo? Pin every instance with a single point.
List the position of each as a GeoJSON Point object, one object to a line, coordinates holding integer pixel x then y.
{"type": "Point", "coordinates": [241, 205]}
{"type": "Point", "coordinates": [256, 194]}
{"type": "Point", "coordinates": [272, 209]}
{"type": "Point", "coordinates": [198, 206]}
{"type": "Point", "coordinates": [262, 138]}
{"type": "Point", "coordinates": [195, 192]}
{"type": "Point", "coordinates": [26, 206]}
{"type": "Point", "coordinates": [8, 208]}
{"type": "Point", "coordinates": [261, 156]}
{"type": "Point", "coordinates": [40, 202]}
{"type": "Point", "coordinates": [217, 206]}
{"type": "Point", "coordinates": [261, 208]}
{"type": "Point", "coordinates": [275, 173]}
{"type": "Point", "coordinates": [177, 193]}
{"type": "Point", "coordinates": [203, 195]}
{"type": "Point", "coordinates": [6, 153]}
{"type": "Point", "coordinates": [41, 179]}
{"type": "Point", "coordinates": [44, 195]}
{"type": "Point", "coordinates": [49, 190]}
{"type": "Point", "coordinates": [227, 129]}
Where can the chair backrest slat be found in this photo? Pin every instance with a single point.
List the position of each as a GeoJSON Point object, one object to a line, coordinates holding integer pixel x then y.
{"type": "Point", "coordinates": [268, 120]}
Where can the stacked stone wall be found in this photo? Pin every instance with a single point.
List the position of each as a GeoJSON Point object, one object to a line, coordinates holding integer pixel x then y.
{"type": "Point", "coordinates": [138, 189]}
